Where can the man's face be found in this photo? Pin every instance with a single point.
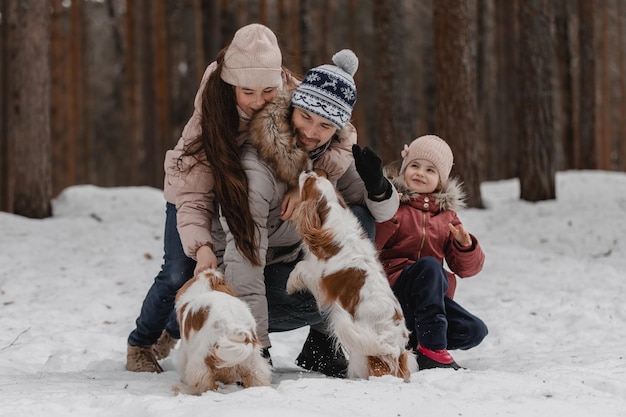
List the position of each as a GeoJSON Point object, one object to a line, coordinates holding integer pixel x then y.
{"type": "Point", "coordinates": [312, 131]}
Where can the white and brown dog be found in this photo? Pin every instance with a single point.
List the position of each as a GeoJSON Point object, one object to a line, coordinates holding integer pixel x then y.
{"type": "Point", "coordinates": [218, 337]}
{"type": "Point", "coordinates": [342, 270]}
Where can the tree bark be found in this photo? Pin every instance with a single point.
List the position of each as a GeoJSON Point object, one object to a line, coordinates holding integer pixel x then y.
{"type": "Point", "coordinates": [587, 107]}
{"type": "Point", "coordinates": [563, 13]}
{"type": "Point", "coordinates": [456, 112]}
{"type": "Point", "coordinates": [7, 183]}
{"type": "Point", "coordinates": [28, 106]}
{"type": "Point", "coordinates": [392, 106]}
{"type": "Point", "coordinates": [502, 150]}
{"type": "Point", "coordinates": [535, 112]}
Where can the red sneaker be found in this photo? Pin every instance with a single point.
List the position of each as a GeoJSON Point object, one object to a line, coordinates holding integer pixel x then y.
{"type": "Point", "coordinates": [441, 358]}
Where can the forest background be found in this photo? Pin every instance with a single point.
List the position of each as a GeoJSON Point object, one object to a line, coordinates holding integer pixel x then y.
{"type": "Point", "coordinates": [95, 92]}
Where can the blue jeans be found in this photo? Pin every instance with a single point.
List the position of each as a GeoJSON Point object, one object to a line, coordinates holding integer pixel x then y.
{"type": "Point", "coordinates": [435, 321]}
{"type": "Point", "coordinates": [286, 312]}
{"type": "Point", "coordinates": [157, 312]}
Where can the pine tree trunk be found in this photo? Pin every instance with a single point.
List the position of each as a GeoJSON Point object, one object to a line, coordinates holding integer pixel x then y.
{"type": "Point", "coordinates": [392, 108]}
{"type": "Point", "coordinates": [456, 112]}
{"type": "Point", "coordinates": [28, 106]}
{"type": "Point", "coordinates": [535, 112]}
{"type": "Point", "coordinates": [587, 107]}
{"type": "Point", "coordinates": [563, 13]}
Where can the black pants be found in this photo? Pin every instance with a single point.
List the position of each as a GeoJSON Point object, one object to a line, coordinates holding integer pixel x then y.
{"type": "Point", "coordinates": [435, 321]}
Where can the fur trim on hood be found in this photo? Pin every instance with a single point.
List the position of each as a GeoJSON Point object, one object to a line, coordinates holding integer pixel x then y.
{"type": "Point", "coordinates": [451, 197]}
{"type": "Point", "coordinates": [274, 138]}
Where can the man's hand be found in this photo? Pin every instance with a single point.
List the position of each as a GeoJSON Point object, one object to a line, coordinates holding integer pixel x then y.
{"type": "Point", "coordinates": [370, 169]}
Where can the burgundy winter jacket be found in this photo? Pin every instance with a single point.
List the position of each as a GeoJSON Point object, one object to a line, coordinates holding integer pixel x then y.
{"type": "Point", "coordinates": [420, 228]}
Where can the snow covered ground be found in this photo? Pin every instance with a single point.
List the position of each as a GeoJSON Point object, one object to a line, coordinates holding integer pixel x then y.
{"type": "Point", "coordinates": [552, 293]}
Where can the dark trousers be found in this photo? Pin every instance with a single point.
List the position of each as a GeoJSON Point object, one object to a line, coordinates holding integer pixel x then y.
{"type": "Point", "coordinates": [435, 321]}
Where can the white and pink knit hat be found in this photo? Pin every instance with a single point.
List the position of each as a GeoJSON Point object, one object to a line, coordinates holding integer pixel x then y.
{"type": "Point", "coordinates": [431, 148]}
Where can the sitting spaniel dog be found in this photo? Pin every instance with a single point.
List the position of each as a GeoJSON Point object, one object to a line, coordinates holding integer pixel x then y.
{"type": "Point", "coordinates": [342, 270]}
{"type": "Point", "coordinates": [218, 337]}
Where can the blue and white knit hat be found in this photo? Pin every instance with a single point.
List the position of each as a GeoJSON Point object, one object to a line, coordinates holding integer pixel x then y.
{"type": "Point", "coordinates": [328, 90]}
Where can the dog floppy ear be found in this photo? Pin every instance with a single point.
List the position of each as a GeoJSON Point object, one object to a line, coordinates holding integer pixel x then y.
{"type": "Point", "coordinates": [308, 190]}
{"type": "Point", "coordinates": [342, 202]}
{"type": "Point", "coordinates": [309, 219]}
{"type": "Point", "coordinates": [311, 214]}
{"type": "Point", "coordinates": [321, 173]}
{"type": "Point", "coordinates": [218, 283]}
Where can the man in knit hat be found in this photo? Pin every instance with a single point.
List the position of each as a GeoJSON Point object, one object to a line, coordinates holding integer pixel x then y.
{"type": "Point", "coordinates": [329, 91]}
{"type": "Point", "coordinates": [317, 115]}
{"type": "Point", "coordinates": [413, 246]}
{"type": "Point", "coordinates": [312, 122]}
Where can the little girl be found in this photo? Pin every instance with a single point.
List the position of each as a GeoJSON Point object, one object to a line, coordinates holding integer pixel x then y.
{"type": "Point", "coordinates": [413, 245]}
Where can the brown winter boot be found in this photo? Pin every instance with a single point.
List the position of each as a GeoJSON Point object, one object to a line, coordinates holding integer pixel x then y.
{"type": "Point", "coordinates": [164, 346]}
{"type": "Point", "coordinates": [141, 359]}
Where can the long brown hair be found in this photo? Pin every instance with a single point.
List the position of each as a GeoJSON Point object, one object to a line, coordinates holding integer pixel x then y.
{"type": "Point", "coordinates": [218, 140]}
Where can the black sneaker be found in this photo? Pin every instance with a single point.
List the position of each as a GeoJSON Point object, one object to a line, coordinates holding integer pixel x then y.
{"type": "Point", "coordinates": [265, 352]}
{"type": "Point", "coordinates": [319, 355]}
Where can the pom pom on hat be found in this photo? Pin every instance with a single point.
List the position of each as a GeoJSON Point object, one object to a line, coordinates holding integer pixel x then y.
{"type": "Point", "coordinates": [329, 90]}
{"type": "Point", "coordinates": [347, 61]}
{"type": "Point", "coordinates": [253, 58]}
{"type": "Point", "coordinates": [431, 148]}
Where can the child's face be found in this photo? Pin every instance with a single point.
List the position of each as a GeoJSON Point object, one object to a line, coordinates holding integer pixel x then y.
{"type": "Point", "coordinates": [421, 176]}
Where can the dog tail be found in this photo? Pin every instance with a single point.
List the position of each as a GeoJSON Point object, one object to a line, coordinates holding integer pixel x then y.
{"type": "Point", "coordinates": [234, 349]}
{"type": "Point", "coordinates": [364, 339]}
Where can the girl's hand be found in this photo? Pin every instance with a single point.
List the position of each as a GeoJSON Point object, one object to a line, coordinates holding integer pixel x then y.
{"type": "Point", "coordinates": [460, 235]}
{"type": "Point", "coordinates": [290, 202]}
{"type": "Point", "coordinates": [206, 259]}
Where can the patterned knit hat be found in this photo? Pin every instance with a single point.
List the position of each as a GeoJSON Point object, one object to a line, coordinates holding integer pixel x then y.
{"type": "Point", "coordinates": [328, 90]}
{"type": "Point", "coordinates": [431, 148]}
{"type": "Point", "coordinates": [253, 58]}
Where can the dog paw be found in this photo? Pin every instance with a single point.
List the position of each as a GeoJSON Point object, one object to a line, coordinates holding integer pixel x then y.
{"type": "Point", "coordinates": [294, 284]}
{"type": "Point", "coordinates": [178, 389]}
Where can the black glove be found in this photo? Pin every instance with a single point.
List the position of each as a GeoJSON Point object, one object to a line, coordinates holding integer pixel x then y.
{"type": "Point", "coordinates": [370, 168]}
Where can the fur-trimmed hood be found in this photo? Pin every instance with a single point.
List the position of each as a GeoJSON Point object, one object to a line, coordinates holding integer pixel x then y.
{"type": "Point", "coordinates": [451, 197]}
{"type": "Point", "coordinates": [274, 138]}
{"type": "Point", "coordinates": [272, 134]}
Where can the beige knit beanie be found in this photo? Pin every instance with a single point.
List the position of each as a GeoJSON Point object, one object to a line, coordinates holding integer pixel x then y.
{"type": "Point", "coordinates": [253, 58]}
{"type": "Point", "coordinates": [431, 148]}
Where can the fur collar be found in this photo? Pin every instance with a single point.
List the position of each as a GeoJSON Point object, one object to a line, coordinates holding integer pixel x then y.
{"type": "Point", "coordinates": [274, 138]}
{"type": "Point", "coordinates": [451, 197]}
